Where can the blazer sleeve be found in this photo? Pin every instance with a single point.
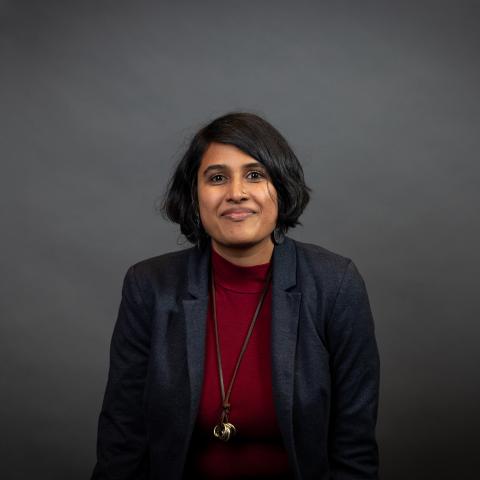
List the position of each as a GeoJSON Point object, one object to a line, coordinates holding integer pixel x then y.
{"type": "Point", "coordinates": [122, 452]}
{"type": "Point", "coordinates": [355, 370]}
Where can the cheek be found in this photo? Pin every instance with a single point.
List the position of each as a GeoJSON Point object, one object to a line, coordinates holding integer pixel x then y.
{"type": "Point", "coordinates": [207, 202]}
{"type": "Point", "coordinates": [202, 196]}
{"type": "Point", "coordinates": [271, 201]}
{"type": "Point", "coordinates": [270, 209]}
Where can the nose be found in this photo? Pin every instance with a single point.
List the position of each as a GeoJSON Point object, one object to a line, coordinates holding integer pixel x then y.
{"type": "Point", "coordinates": [237, 190]}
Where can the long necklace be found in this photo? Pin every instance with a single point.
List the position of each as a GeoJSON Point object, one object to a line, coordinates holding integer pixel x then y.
{"type": "Point", "coordinates": [224, 429]}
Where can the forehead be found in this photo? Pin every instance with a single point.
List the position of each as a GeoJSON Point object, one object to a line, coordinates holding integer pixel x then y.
{"type": "Point", "coordinates": [226, 155]}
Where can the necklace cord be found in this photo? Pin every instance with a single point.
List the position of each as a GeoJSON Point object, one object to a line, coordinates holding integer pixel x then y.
{"type": "Point", "coordinates": [226, 398]}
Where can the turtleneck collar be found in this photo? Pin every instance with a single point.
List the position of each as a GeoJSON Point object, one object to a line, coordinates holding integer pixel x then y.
{"type": "Point", "coordinates": [237, 278]}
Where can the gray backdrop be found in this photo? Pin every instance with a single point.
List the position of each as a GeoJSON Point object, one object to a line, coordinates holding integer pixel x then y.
{"type": "Point", "coordinates": [379, 100]}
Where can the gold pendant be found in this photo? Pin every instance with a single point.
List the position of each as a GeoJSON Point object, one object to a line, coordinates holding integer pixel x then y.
{"type": "Point", "coordinates": [224, 431]}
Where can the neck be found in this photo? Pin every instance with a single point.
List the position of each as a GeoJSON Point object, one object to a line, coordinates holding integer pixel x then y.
{"type": "Point", "coordinates": [246, 257]}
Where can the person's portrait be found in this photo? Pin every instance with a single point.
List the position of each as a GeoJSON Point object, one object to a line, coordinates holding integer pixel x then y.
{"type": "Point", "coordinates": [239, 240]}
{"type": "Point", "coordinates": [249, 354]}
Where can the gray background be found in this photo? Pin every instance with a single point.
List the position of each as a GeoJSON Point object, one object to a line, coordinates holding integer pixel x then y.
{"type": "Point", "coordinates": [379, 100]}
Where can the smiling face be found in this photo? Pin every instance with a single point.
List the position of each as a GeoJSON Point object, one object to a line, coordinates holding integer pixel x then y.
{"type": "Point", "coordinates": [237, 201]}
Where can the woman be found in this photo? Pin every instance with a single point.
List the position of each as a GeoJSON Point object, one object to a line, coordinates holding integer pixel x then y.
{"type": "Point", "coordinates": [249, 355]}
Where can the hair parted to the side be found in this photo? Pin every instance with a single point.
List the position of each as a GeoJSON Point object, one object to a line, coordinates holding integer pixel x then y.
{"type": "Point", "coordinates": [258, 139]}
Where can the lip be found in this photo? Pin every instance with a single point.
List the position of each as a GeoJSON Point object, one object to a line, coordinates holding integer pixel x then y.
{"type": "Point", "coordinates": [238, 213]}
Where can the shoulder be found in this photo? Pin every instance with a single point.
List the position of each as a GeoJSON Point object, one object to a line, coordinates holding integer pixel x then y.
{"type": "Point", "coordinates": [162, 273]}
{"type": "Point", "coordinates": [165, 263]}
{"type": "Point", "coordinates": [319, 260]}
{"type": "Point", "coordinates": [328, 273]}
{"type": "Point", "coordinates": [332, 277]}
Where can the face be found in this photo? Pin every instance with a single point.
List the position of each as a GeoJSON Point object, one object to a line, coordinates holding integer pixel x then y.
{"type": "Point", "coordinates": [237, 201]}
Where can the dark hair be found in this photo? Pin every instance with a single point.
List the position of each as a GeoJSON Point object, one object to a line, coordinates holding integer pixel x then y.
{"type": "Point", "coordinates": [258, 139]}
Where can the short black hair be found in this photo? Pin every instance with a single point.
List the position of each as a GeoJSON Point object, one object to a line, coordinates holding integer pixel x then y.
{"type": "Point", "coordinates": [258, 139]}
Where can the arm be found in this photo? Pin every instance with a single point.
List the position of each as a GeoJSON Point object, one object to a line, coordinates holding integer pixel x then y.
{"type": "Point", "coordinates": [355, 369]}
{"type": "Point", "coordinates": [122, 440]}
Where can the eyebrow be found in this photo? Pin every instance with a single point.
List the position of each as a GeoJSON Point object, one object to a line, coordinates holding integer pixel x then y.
{"type": "Point", "coordinates": [222, 166]}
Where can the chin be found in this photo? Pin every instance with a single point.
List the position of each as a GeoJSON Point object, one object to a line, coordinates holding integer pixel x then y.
{"type": "Point", "coordinates": [240, 241]}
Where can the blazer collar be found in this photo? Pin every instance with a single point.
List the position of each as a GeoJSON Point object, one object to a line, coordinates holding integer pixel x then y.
{"type": "Point", "coordinates": [284, 268]}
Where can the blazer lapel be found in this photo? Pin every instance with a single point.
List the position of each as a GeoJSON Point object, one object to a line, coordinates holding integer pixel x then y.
{"type": "Point", "coordinates": [285, 316]}
{"type": "Point", "coordinates": [195, 311]}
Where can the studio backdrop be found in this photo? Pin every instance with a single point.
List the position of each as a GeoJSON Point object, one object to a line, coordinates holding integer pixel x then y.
{"type": "Point", "coordinates": [380, 102]}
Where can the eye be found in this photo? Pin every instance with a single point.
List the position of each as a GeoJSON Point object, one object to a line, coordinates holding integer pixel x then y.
{"type": "Point", "coordinates": [216, 176]}
{"type": "Point", "coordinates": [256, 175]}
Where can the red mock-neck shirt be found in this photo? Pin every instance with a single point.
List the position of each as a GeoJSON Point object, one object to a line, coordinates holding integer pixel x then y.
{"type": "Point", "coordinates": [257, 450]}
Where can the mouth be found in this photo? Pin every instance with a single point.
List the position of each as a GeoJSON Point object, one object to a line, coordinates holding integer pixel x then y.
{"type": "Point", "coordinates": [238, 216]}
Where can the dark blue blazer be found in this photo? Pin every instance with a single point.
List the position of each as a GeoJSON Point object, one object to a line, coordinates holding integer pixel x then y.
{"type": "Point", "coordinates": [325, 366]}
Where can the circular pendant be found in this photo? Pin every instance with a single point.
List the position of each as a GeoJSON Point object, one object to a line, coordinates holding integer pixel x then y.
{"type": "Point", "coordinates": [224, 431]}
